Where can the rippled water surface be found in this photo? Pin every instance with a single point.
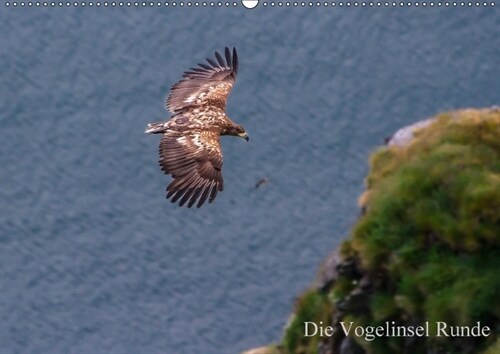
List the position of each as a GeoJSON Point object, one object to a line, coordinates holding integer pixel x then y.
{"type": "Point", "coordinates": [95, 260]}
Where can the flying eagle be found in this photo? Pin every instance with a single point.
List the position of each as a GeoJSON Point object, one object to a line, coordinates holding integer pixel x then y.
{"type": "Point", "coordinates": [190, 148]}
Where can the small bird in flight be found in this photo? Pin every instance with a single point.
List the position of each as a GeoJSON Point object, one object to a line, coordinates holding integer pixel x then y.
{"type": "Point", "coordinates": [261, 182]}
{"type": "Point", "coordinates": [190, 148]}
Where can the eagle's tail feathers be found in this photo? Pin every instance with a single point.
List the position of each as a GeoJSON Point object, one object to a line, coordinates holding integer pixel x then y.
{"type": "Point", "coordinates": [155, 128]}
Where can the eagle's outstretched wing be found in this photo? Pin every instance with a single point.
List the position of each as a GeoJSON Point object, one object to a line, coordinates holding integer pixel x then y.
{"type": "Point", "coordinates": [205, 85]}
{"type": "Point", "coordinates": [194, 159]}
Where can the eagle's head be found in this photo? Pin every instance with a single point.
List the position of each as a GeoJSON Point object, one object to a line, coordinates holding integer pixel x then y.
{"type": "Point", "coordinates": [237, 130]}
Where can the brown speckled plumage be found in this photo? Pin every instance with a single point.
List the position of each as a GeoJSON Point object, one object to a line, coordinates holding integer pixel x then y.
{"type": "Point", "coordinates": [190, 148]}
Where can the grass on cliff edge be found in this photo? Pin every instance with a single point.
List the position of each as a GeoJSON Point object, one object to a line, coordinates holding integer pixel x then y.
{"type": "Point", "coordinates": [432, 226]}
{"type": "Point", "coordinates": [312, 306]}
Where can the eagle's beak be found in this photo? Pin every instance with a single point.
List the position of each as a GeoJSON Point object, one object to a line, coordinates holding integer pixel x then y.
{"type": "Point", "coordinates": [244, 136]}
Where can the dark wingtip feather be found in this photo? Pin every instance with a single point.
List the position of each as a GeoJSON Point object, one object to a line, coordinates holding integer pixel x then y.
{"type": "Point", "coordinates": [221, 61]}
{"type": "Point", "coordinates": [213, 193]}
{"type": "Point", "coordinates": [235, 60]}
{"type": "Point", "coordinates": [195, 195]}
{"type": "Point", "coordinates": [203, 197]}
{"type": "Point", "coordinates": [191, 194]}
{"type": "Point", "coordinates": [189, 198]}
{"type": "Point", "coordinates": [229, 62]}
{"type": "Point", "coordinates": [179, 193]}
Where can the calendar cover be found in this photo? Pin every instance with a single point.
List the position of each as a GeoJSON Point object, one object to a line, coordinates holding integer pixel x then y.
{"type": "Point", "coordinates": [255, 176]}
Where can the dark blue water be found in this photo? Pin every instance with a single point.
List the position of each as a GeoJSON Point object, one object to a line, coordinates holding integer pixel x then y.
{"type": "Point", "coordinates": [95, 260]}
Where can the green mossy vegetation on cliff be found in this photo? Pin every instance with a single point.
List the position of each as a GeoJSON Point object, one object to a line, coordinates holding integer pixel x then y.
{"type": "Point", "coordinates": [427, 247]}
